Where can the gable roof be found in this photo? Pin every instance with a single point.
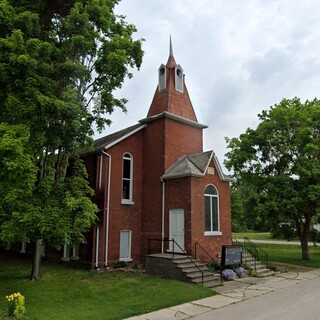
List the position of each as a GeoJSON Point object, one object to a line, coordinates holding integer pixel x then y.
{"type": "Point", "coordinates": [194, 166]}
{"type": "Point", "coordinates": [114, 138]}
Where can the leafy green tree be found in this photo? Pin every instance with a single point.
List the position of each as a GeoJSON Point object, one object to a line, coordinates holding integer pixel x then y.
{"type": "Point", "coordinates": [57, 57]}
{"type": "Point", "coordinates": [281, 159]}
{"type": "Point", "coordinates": [245, 212]}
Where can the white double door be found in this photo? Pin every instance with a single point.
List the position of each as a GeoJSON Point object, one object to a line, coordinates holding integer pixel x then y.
{"type": "Point", "coordinates": [176, 229]}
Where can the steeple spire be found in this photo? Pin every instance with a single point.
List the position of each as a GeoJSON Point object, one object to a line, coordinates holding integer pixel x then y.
{"type": "Point", "coordinates": [171, 95]}
{"type": "Point", "coordinates": [170, 48]}
{"type": "Point", "coordinates": [171, 63]}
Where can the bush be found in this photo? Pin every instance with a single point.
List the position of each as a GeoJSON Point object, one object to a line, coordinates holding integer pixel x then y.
{"type": "Point", "coordinates": [120, 264]}
{"type": "Point", "coordinates": [228, 274]}
{"type": "Point", "coordinates": [15, 305]}
{"type": "Point", "coordinates": [240, 272]}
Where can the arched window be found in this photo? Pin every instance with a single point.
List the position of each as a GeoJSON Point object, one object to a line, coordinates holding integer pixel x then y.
{"type": "Point", "coordinates": [211, 207]}
{"type": "Point", "coordinates": [127, 178]}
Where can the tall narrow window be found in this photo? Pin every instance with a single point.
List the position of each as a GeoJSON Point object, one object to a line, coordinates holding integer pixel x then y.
{"type": "Point", "coordinates": [127, 178]}
{"type": "Point", "coordinates": [211, 207]}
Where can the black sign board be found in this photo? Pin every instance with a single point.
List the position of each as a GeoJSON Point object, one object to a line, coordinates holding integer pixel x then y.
{"type": "Point", "coordinates": [231, 255]}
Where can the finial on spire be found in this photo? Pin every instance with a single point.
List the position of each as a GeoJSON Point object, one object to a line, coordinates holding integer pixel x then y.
{"type": "Point", "coordinates": [170, 48]}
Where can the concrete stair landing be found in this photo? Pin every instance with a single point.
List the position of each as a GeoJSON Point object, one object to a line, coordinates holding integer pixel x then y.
{"type": "Point", "coordinates": [180, 267]}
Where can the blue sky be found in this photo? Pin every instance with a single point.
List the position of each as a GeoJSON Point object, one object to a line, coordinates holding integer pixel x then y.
{"type": "Point", "coordinates": [239, 58]}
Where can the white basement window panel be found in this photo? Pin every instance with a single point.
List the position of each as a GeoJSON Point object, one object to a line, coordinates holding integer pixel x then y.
{"type": "Point", "coordinates": [125, 245]}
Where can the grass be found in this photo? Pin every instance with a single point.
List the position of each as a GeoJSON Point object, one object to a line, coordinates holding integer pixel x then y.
{"type": "Point", "coordinates": [253, 235]}
{"type": "Point", "coordinates": [66, 293]}
{"type": "Point", "coordinates": [282, 253]}
{"type": "Point", "coordinates": [291, 254]}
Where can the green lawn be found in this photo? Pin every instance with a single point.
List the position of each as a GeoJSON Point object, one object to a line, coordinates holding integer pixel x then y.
{"type": "Point", "coordinates": [282, 253]}
{"type": "Point", "coordinates": [253, 235]}
{"type": "Point", "coordinates": [291, 254]}
{"type": "Point", "coordinates": [67, 293]}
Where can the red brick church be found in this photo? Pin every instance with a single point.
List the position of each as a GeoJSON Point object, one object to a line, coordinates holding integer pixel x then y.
{"type": "Point", "coordinates": [154, 181]}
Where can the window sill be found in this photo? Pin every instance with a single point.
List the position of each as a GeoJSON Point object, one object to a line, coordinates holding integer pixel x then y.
{"type": "Point", "coordinates": [123, 201]}
{"type": "Point", "coordinates": [125, 259]}
{"type": "Point", "coordinates": [212, 233]}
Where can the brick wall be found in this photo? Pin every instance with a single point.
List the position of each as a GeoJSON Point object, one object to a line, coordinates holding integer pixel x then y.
{"type": "Point", "coordinates": [121, 216]}
{"type": "Point", "coordinates": [180, 139]}
{"type": "Point", "coordinates": [211, 243]}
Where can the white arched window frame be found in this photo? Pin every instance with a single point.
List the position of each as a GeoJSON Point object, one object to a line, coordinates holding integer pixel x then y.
{"type": "Point", "coordinates": [127, 179]}
{"type": "Point", "coordinates": [211, 211]}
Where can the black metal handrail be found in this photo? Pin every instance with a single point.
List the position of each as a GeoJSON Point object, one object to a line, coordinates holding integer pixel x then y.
{"type": "Point", "coordinates": [173, 252]}
{"type": "Point", "coordinates": [217, 265]}
{"type": "Point", "coordinates": [257, 253]}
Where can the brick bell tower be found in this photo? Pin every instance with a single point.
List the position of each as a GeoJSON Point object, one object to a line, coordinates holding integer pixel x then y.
{"type": "Point", "coordinates": [172, 131]}
{"type": "Point", "coordinates": [171, 94]}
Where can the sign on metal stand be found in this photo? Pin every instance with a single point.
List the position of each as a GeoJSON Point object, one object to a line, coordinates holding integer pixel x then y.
{"type": "Point", "coordinates": [231, 256]}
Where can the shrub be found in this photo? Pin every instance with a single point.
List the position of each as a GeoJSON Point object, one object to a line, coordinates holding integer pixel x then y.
{"type": "Point", "coordinates": [240, 272]}
{"type": "Point", "coordinates": [15, 305]}
{"type": "Point", "coordinates": [120, 264]}
{"type": "Point", "coordinates": [228, 274]}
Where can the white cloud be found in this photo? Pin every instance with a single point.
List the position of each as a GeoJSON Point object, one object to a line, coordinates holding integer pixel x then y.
{"type": "Point", "coordinates": [239, 57]}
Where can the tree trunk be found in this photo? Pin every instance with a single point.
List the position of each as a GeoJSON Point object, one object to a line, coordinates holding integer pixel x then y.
{"type": "Point", "coordinates": [35, 273]}
{"type": "Point", "coordinates": [304, 247]}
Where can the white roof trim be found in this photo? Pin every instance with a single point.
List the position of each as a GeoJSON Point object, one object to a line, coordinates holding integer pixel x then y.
{"type": "Point", "coordinates": [206, 169]}
{"type": "Point", "coordinates": [183, 175]}
{"type": "Point", "coordinates": [219, 169]}
{"type": "Point", "coordinates": [172, 116]}
{"type": "Point", "coordinates": [124, 137]}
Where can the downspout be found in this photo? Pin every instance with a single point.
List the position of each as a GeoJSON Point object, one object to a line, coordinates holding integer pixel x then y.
{"type": "Point", "coordinates": [98, 227]}
{"type": "Point", "coordinates": [107, 209]}
{"type": "Point", "coordinates": [97, 247]}
{"type": "Point", "coordinates": [162, 222]}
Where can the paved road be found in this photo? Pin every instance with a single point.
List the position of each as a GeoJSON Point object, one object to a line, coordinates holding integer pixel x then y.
{"type": "Point", "coordinates": [297, 302]}
{"type": "Point", "coordinates": [293, 295]}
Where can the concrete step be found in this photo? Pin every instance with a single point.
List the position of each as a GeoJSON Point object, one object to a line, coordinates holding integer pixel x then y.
{"type": "Point", "coordinates": [207, 281]}
{"type": "Point", "coordinates": [198, 278]}
{"type": "Point", "coordinates": [265, 273]}
{"type": "Point", "coordinates": [260, 266]}
{"type": "Point", "coordinates": [192, 268]}
{"type": "Point", "coordinates": [192, 273]}
{"type": "Point", "coordinates": [197, 273]}
{"type": "Point", "coordinates": [212, 283]}
{"type": "Point", "coordinates": [182, 261]}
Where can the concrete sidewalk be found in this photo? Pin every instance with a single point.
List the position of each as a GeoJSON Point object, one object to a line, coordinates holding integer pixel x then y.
{"type": "Point", "coordinates": [231, 292]}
